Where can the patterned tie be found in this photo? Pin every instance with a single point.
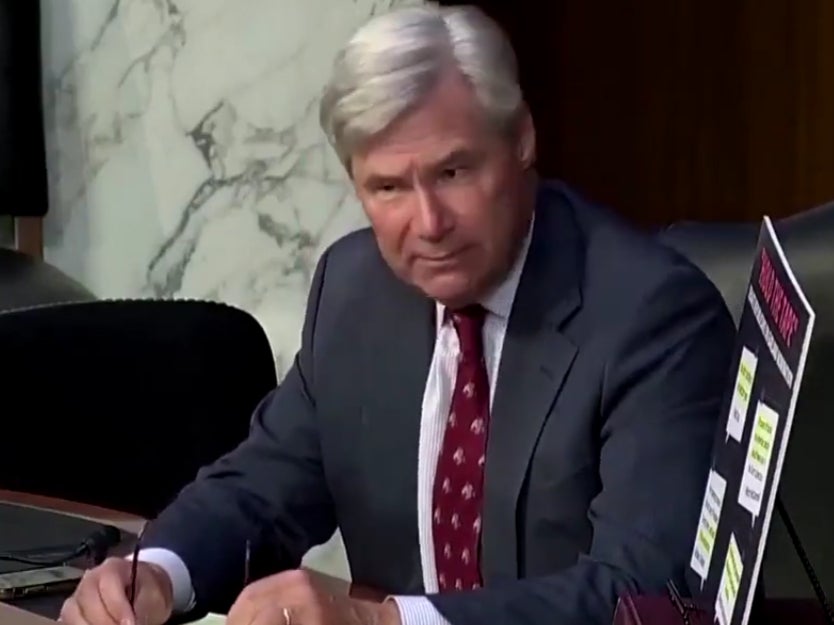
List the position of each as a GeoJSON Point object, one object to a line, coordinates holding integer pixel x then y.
{"type": "Point", "coordinates": [458, 484]}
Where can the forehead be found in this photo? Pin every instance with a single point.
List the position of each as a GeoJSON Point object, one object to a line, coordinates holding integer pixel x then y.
{"type": "Point", "coordinates": [449, 120]}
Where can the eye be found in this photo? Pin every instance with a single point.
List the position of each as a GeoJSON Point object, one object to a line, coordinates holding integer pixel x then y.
{"type": "Point", "coordinates": [452, 173]}
{"type": "Point", "coordinates": [386, 188]}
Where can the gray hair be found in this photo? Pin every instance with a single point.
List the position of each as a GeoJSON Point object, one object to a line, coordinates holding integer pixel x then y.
{"type": "Point", "coordinates": [395, 59]}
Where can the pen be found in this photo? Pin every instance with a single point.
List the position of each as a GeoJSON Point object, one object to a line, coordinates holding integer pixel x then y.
{"type": "Point", "coordinates": [134, 565]}
{"type": "Point", "coordinates": [246, 556]}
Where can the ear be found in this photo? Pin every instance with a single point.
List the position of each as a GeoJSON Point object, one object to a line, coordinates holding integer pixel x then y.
{"type": "Point", "coordinates": [526, 139]}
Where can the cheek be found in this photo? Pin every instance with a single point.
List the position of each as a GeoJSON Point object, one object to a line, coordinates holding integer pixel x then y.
{"type": "Point", "coordinates": [480, 215]}
{"type": "Point", "coordinates": [470, 205]}
{"type": "Point", "coordinates": [390, 228]}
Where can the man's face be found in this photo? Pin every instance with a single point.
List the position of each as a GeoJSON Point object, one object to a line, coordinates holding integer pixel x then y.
{"type": "Point", "coordinates": [447, 197]}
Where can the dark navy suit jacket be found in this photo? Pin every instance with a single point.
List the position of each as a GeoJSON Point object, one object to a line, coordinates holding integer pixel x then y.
{"type": "Point", "coordinates": [610, 382]}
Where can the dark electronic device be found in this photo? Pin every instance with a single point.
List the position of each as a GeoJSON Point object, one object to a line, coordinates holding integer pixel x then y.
{"type": "Point", "coordinates": [38, 549]}
{"type": "Point", "coordinates": [53, 579]}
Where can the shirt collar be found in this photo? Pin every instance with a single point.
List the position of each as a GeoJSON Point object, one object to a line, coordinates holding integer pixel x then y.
{"type": "Point", "coordinates": [500, 300]}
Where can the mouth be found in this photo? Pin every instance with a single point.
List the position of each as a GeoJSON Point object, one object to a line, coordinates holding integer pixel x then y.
{"type": "Point", "coordinates": [439, 259]}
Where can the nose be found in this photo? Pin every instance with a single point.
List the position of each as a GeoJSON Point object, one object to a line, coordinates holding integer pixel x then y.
{"type": "Point", "coordinates": [433, 220]}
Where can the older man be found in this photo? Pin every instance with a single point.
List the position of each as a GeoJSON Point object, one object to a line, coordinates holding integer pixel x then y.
{"type": "Point", "coordinates": [504, 397]}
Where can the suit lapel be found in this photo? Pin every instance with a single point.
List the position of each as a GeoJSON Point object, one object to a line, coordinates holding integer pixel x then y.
{"type": "Point", "coordinates": [397, 350]}
{"type": "Point", "coordinates": [535, 359]}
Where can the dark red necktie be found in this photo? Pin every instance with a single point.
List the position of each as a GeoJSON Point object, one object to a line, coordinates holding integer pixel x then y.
{"type": "Point", "coordinates": [458, 484]}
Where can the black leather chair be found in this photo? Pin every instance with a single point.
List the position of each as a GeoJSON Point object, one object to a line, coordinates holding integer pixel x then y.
{"type": "Point", "coordinates": [23, 182]}
{"type": "Point", "coordinates": [725, 253]}
{"type": "Point", "coordinates": [118, 403]}
{"type": "Point", "coordinates": [25, 280]}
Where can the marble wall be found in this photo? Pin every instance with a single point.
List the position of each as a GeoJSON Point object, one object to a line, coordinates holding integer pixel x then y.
{"type": "Point", "coordinates": [184, 153]}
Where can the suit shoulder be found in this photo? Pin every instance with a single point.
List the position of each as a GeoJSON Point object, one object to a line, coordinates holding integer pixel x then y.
{"type": "Point", "coordinates": [354, 243]}
{"type": "Point", "coordinates": [351, 267]}
{"type": "Point", "coordinates": [353, 253]}
{"type": "Point", "coordinates": [632, 266]}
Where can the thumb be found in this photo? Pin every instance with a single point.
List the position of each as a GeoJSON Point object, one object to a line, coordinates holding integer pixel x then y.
{"type": "Point", "coordinates": [153, 602]}
{"type": "Point", "coordinates": [148, 609]}
{"type": "Point", "coordinates": [113, 594]}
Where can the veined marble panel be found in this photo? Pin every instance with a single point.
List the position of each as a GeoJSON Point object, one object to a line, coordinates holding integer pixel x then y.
{"type": "Point", "coordinates": [184, 152]}
{"type": "Point", "coordinates": [185, 157]}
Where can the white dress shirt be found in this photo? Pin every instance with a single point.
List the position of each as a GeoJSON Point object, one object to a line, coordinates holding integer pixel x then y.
{"type": "Point", "coordinates": [437, 399]}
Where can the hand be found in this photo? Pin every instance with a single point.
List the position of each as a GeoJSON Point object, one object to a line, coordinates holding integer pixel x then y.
{"type": "Point", "coordinates": [297, 598]}
{"type": "Point", "coordinates": [101, 597]}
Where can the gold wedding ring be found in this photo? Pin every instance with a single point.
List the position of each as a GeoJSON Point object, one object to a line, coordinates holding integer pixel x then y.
{"type": "Point", "coordinates": [287, 616]}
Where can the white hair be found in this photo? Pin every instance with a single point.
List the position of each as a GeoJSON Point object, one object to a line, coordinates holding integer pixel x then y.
{"type": "Point", "coordinates": [393, 61]}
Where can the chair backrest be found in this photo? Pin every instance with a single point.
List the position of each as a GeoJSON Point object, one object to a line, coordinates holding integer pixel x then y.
{"type": "Point", "coordinates": [23, 180]}
{"type": "Point", "coordinates": [130, 398]}
{"type": "Point", "coordinates": [26, 281]}
{"type": "Point", "coordinates": [725, 253]}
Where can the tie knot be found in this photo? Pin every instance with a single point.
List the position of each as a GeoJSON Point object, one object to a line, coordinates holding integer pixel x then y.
{"type": "Point", "coordinates": [469, 323]}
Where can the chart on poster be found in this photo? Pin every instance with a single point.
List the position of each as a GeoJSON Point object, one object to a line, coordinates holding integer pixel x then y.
{"type": "Point", "coordinates": [772, 343]}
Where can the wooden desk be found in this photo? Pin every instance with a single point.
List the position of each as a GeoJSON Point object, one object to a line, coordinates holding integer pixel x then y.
{"type": "Point", "coordinates": [129, 523]}
{"type": "Point", "coordinates": [10, 615]}
{"type": "Point", "coordinates": [659, 610]}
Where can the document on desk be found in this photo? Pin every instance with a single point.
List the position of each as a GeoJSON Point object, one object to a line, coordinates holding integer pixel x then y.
{"type": "Point", "coordinates": [211, 619]}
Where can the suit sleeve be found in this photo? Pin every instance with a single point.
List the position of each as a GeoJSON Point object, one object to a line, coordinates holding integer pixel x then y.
{"type": "Point", "coordinates": [269, 491]}
{"type": "Point", "coordinates": [661, 394]}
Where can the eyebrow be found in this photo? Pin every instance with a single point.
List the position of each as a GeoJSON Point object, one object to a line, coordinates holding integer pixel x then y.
{"type": "Point", "coordinates": [460, 154]}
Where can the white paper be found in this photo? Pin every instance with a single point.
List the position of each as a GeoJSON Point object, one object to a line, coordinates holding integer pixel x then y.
{"type": "Point", "coordinates": [725, 602]}
{"type": "Point", "coordinates": [708, 525]}
{"type": "Point", "coordinates": [759, 453]}
{"type": "Point", "coordinates": [741, 394]}
{"type": "Point", "coordinates": [211, 619]}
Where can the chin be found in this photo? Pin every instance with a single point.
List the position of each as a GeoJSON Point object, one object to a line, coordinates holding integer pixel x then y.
{"type": "Point", "coordinates": [451, 291]}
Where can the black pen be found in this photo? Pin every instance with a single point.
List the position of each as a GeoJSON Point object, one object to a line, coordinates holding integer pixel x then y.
{"type": "Point", "coordinates": [246, 556]}
{"type": "Point", "coordinates": [134, 565]}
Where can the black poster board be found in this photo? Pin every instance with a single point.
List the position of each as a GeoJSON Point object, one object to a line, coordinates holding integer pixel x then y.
{"type": "Point", "coordinates": [752, 438]}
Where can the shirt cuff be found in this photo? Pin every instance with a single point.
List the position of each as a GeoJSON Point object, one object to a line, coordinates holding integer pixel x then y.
{"type": "Point", "coordinates": [418, 611]}
{"type": "Point", "coordinates": [177, 572]}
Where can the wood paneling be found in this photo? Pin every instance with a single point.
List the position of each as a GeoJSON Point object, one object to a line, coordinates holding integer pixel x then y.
{"type": "Point", "coordinates": [710, 110]}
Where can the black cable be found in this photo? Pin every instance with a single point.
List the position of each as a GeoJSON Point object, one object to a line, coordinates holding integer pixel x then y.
{"type": "Point", "coordinates": [803, 557]}
{"type": "Point", "coordinates": [96, 545]}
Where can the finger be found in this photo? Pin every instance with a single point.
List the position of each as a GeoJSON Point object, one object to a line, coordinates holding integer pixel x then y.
{"type": "Point", "coordinates": [254, 606]}
{"type": "Point", "coordinates": [284, 583]}
{"type": "Point", "coordinates": [299, 589]}
{"type": "Point", "coordinates": [89, 601]}
{"type": "Point", "coordinates": [149, 606]}
{"type": "Point", "coordinates": [112, 593]}
{"type": "Point", "coordinates": [71, 613]}
{"type": "Point", "coordinates": [272, 614]}
{"type": "Point", "coordinates": [249, 600]}
{"type": "Point", "coordinates": [290, 588]}
{"type": "Point", "coordinates": [242, 611]}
